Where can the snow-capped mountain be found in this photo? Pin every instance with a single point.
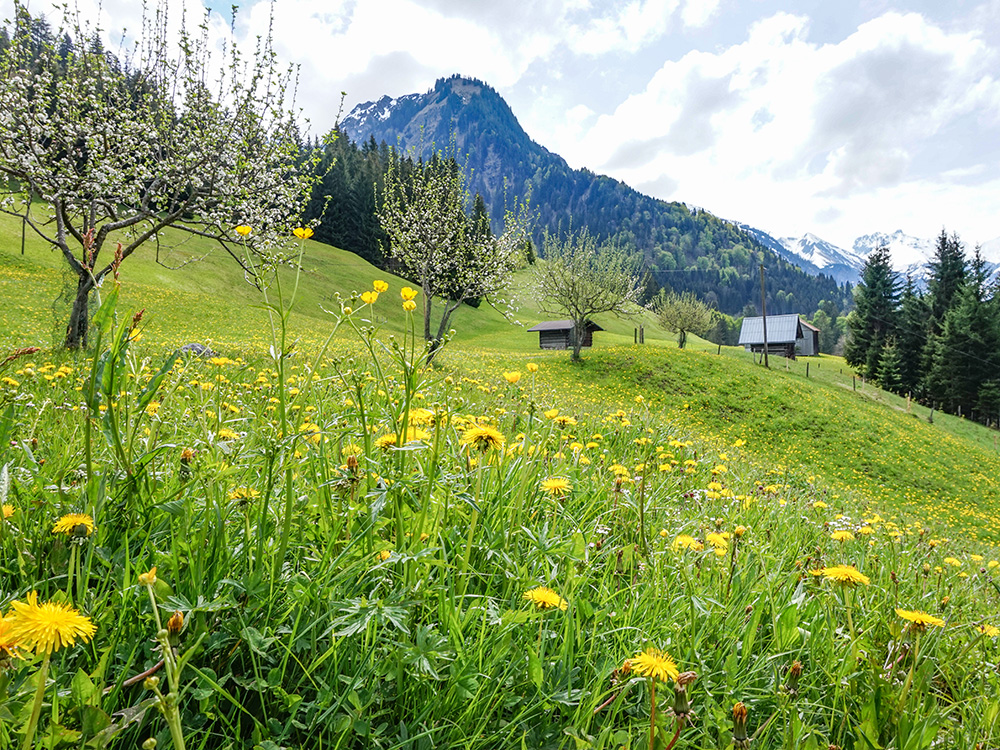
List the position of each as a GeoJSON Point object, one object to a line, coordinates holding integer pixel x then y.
{"type": "Point", "coordinates": [812, 254]}
{"type": "Point", "coordinates": [909, 254]}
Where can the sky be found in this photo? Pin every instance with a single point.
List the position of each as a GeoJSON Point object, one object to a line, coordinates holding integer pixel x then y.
{"type": "Point", "coordinates": [834, 117]}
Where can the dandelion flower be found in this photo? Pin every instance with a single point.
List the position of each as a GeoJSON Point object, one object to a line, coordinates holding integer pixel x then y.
{"type": "Point", "coordinates": [226, 434]}
{"type": "Point", "coordinates": [920, 619]}
{"type": "Point", "coordinates": [8, 510]}
{"type": "Point", "coordinates": [717, 540]}
{"type": "Point", "coordinates": [842, 536]}
{"type": "Point", "coordinates": [512, 377]}
{"type": "Point", "coordinates": [8, 644]}
{"type": "Point", "coordinates": [556, 486]}
{"type": "Point", "coordinates": [483, 437]}
{"type": "Point", "coordinates": [685, 541]}
{"type": "Point", "coordinates": [990, 631]}
{"type": "Point", "coordinates": [545, 598]}
{"type": "Point", "coordinates": [77, 524]}
{"type": "Point", "coordinates": [564, 420]}
{"type": "Point", "coordinates": [654, 663]}
{"type": "Point", "coordinates": [844, 575]}
{"type": "Point", "coordinates": [48, 627]}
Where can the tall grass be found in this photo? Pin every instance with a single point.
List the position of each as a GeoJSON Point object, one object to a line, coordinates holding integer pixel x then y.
{"type": "Point", "coordinates": [349, 540]}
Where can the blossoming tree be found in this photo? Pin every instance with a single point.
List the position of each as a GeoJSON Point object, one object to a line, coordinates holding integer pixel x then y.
{"type": "Point", "coordinates": [98, 154]}
{"type": "Point", "coordinates": [582, 278]}
{"type": "Point", "coordinates": [439, 247]}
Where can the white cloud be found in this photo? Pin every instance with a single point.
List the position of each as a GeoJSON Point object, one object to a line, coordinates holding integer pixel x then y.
{"type": "Point", "coordinates": [783, 129]}
{"type": "Point", "coordinates": [697, 13]}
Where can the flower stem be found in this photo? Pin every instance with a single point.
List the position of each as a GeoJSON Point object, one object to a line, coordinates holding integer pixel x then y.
{"type": "Point", "coordinates": [36, 707]}
{"type": "Point", "coordinates": [652, 711]}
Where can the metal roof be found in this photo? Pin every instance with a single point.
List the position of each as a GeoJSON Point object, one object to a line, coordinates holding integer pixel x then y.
{"type": "Point", "coordinates": [781, 329]}
{"type": "Point", "coordinates": [563, 325]}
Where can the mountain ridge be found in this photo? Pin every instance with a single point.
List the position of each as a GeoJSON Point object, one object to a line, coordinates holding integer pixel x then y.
{"type": "Point", "coordinates": [684, 249]}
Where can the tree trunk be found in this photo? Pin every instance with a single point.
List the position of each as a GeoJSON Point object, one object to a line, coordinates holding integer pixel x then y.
{"type": "Point", "coordinates": [682, 338]}
{"type": "Point", "coordinates": [76, 331]}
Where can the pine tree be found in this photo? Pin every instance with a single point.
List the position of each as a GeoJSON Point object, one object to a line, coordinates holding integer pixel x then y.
{"type": "Point", "coordinates": [873, 319]}
{"type": "Point", "coordinates": [911, 338]}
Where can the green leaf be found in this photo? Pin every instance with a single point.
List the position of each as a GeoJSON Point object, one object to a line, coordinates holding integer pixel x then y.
{"type": "Point", "coordinates": [534, 668]}
{"type": "Point", "coordinates": [81, 688]}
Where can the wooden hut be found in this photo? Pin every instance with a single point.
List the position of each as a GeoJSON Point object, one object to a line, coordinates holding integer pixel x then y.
{"type": "Point", "coordinates": [785, 336]}
{"type": "Point", "coordinates": [561, 334]}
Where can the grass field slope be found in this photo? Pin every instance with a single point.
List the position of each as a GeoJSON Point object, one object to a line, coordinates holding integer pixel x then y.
{"type": "Point", "coordinates": [330, 545]}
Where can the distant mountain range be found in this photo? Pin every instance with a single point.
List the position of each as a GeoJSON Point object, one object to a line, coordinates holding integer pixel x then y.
{"type": "Point", "coordinates": [684, 248]}
{"type": "Point", "coordinates": [910, 255]}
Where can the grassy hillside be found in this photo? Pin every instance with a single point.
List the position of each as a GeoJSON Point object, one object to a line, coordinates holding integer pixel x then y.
{"type": "Point", "coordinates": [845, 440]}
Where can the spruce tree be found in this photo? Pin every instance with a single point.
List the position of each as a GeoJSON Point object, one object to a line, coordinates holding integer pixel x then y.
{"type": "Point", "coordinates": [911, 337]}
{"type": "Point", "coordinates": [873, 319]}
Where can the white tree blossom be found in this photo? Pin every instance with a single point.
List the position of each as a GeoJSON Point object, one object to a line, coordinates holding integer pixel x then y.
{"type": "Point", "coordinates": [424, 216]}
{"type": "Point", "coordinates": [581, 278]}
{"type": "Point", "coordinates": [117, 151]}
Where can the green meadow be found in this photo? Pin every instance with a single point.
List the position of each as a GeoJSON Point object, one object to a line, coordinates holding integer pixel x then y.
{"type": "Point", "coordinates": [327, 545]}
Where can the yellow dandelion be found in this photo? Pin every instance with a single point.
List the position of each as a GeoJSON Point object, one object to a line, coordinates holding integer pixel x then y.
{"type": "Point", "coordinates": [718, 541]}
{"type": "Point", "coordinates": [76, 524]}
{"type": "Point", "coordinates": [685, 541]}
{"type": "Point", "coordinates": [226, 434]}
{"type": "Point", "coordinates": [545, 598]}
{"type": "Point", "coordinates": [842, 536]}
{"type": "Point", "coordinates": [990, 631]}
{"type": "Point", "coordinates": [564, 420]}
{"type": "Point", "coordinates": [8, 643]}
{"type": "Point", "coordinates": [551, 413]}
{"type": "Point", "coordinates": [844, 575]}
{"type": "Point", "coordinates": [483, 437]}
{"type": "Point", "coordinates": [556, 486]}
{"type": "Point", "coordinates": [8, 510]}
{"type": "Point", "coordinates": [920, 619]}
{"type": "Point", "coordinates": [654, 663]}
{"type": "Point", "coordinates": [953, 561]}
{"type": "Point", "coordinates": [46, 628]}
{"type": "Point", "coordinates": [512, 377]}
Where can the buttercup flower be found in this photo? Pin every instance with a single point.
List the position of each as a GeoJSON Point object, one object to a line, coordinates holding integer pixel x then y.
{"type": "Point", "coordinates": [303, 233]}
{"type": "Point", "coordinates": [408, 293]}
{"type": "Point", "coordinates": [369, 298]}
{"type": "Point", "coordinates": [243, 230]}
{"type": "Point", "coordinates": [148, 578]}
{"type": "Point", "coordinates": [409, 305]}
{"type": "Point", "coordinates": [380, 286]}
{"type": "Point", "coordinates": [531, 367]}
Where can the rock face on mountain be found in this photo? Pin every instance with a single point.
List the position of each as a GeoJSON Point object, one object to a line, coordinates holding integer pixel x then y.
{"type": "Point", "coordinates": [686, 249]}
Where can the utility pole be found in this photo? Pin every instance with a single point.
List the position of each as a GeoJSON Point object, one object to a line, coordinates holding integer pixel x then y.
{"type": "Point", "coordinates": [763, 312]}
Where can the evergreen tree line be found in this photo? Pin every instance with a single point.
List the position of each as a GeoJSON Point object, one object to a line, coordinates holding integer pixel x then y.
{"type": "Point", "coordinates": [942, 345]}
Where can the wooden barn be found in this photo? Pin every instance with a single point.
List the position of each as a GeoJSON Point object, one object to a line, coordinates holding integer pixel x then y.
{"type": "Point", "coordinates": [560, 334]}
{"type": "Point", "coordinates": [787, 336]}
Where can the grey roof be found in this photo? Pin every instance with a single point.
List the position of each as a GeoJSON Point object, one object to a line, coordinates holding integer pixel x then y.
{"type": "Point", "coordinates": [781, 329]}
{"type": "Point", "coordinates": [563, 325]}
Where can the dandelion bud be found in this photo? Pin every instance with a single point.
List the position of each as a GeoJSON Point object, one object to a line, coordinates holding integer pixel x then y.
{"type": "Point", "coordinates": [740, 739]}
{"type": "Point", "coordinates": [739, 531]}
{"type": "Point", "coordinates": [34, 443]}
{"type": "Point", "coordinates": [187, 455]}
{"type": "Point", "coordinates": [151, 683]}
{"type": "Point", "coordinates": [149, 744]}
{"type": "Point", "coordinates": [927, 569]}
{"type": "Point", "coordinates": [792, 683]}
{"type": "Point", "coordinates": [352, 463]}
{"type": "Point", "coordinates": [719, 522]}
{"type": "Point", "coordinates": [175, 623]}
{"type": "Point", "coordinates": [749, 610]}
{"type": "Point", "coordinates": [682, 705]}
{"type": "Point", "coordinates": [945, 600]}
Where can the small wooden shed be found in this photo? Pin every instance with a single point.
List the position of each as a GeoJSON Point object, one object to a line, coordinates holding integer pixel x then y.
{"type": "Point", "coordinates": [784, 334]}
{"type": "Point", "coordinates": [561, 334]}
